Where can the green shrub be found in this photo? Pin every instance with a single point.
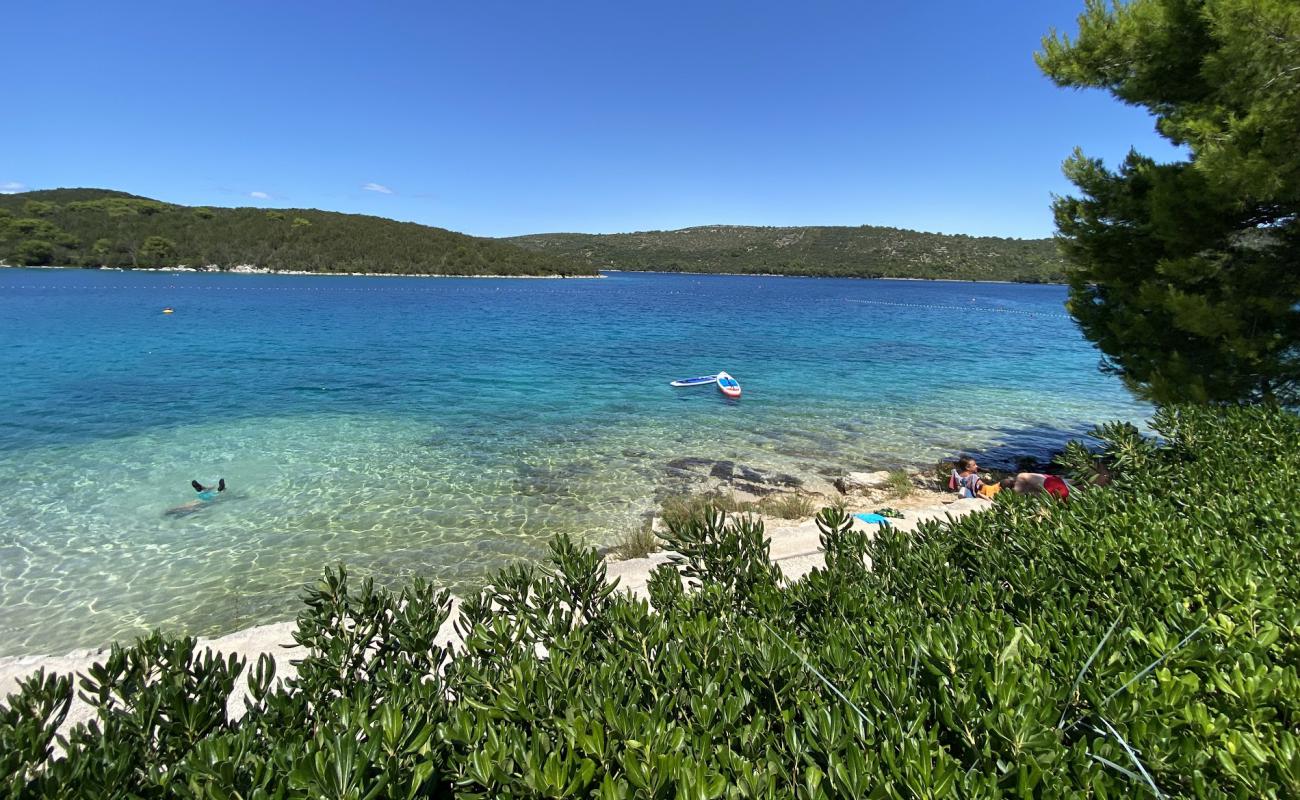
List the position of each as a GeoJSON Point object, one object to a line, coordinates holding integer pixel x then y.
{"type": "Point", "coordinates": [1140, 638]}
{"type": "Point", "coordinates": [639, 542]}
{"type": "Point", "coordinates": [677, 511]}
{"type": "Point", "coordinates": [787, 506]}
{"type": "Point", "coordinates": [34, 253]}
{"type": "Point", "coordinates": [900, 483]}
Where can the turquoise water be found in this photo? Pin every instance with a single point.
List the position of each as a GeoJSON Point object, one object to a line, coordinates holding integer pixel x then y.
{"type": "Point", "coordinates": [444, 427]}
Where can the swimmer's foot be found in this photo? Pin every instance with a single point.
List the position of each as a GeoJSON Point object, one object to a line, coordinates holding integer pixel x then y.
{"type": "Point", "coordinates": [198, 487]}
{"type": "Point", "coordinates": [221, 485]}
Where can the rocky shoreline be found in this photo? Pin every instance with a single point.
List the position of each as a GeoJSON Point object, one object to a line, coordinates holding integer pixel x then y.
{"type": "Point", "coordinates": [795, 548]}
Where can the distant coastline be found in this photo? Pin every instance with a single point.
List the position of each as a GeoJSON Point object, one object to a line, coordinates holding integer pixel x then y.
{"type": "Point", "coordinates": [813, 251]}
{"type": "Point", "coordinates": [92, 228]}
{"type": "Point", "coordinates": [838, 277]}
{"type": "Point", "coordinates": [105, 228]}
{"type": "Point", "coordinates": [262, 271]}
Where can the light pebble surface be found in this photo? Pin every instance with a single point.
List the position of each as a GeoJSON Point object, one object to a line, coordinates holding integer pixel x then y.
{"type": "Point", "coordinates": [796, 549]}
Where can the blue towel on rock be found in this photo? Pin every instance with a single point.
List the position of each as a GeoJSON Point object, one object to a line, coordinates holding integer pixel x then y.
{"type": "Point", "coordinates": [873, 519]}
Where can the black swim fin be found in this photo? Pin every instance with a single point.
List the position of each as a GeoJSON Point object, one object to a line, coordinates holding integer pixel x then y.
{"type": "Point", "coordinates": [221, 485]}
{"type": "Point", "coordinates": [198, 487]}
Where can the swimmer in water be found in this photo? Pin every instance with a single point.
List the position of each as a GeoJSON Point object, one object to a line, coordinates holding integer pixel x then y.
{"type": "Point", "coordinates": [206, 495]}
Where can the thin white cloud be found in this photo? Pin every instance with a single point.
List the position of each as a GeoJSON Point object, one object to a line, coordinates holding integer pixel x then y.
{"type": "Point", "coordinates": [377, 187]}
{"type": "Point", "coordinates": [259, 195]}
{"type": "Point", "coordinates": [12, 187]}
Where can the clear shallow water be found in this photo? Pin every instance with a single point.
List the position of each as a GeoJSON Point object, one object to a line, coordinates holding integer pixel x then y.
{"type": "Point", "coordinates": [443, 427]}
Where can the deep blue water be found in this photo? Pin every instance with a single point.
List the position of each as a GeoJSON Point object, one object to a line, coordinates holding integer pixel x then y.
{"type": "Point", "coordinates": [442, 427]}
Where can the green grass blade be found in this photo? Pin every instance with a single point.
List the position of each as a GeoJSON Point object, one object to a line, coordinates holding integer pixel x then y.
{"type": "Point", "coordinates": [816, 672]}
{"type": "Point", "coordinates": [1137, 762]}
{"type": "Point", "coordinates": [1079, 678]}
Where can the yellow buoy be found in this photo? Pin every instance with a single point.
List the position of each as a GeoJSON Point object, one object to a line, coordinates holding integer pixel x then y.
{"type": "Point", "coordinates": [167, 311]}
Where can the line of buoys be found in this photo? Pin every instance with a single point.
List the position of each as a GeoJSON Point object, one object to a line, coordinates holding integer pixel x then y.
{"type": "Point", "coordinates": [940, 307]}
{"type": "Point", "coordinates": [173, 287]}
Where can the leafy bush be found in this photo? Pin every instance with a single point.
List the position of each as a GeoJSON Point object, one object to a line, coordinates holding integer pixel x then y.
{"type": "Point", "coordinates": [787, 506]}
{"type": "Point", "coordinates": [1136, 639]}
{"type": "Point", "coordinates": [639, 542]}
{"type": "Point", "coordinates": [900, 483]}
{"type": "Point", "coordinates": [678, 511]}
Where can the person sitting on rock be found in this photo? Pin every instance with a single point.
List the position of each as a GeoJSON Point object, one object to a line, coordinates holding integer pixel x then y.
{"type": "Point", "coordinates": [965, 479]}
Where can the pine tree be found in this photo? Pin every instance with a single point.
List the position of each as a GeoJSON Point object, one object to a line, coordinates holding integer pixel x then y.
{"type": "Point", "coordinates": [1187, 274]}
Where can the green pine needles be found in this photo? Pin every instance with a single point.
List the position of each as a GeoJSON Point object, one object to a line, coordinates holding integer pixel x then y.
{"type": "Point", "coordinates": [1140, 640]}
{"type": "Point", "coordinates": [1185, 274]}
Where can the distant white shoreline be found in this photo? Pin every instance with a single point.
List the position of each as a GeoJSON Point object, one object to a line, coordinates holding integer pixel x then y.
{"type": "Point", "coordinates": [833, 277]}
{"type": "Point", "coordinates": [244, 269]}
{"type": "Point", "coordinates": [248, 270]}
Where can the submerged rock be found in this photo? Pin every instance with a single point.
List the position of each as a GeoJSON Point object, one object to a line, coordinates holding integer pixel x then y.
{"type": "Point", "coordinates": [721, 473]}
{"type": "Point", "coordinates": [861, 481]}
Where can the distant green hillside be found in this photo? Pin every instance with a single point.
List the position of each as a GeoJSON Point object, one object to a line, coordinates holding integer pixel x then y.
{"type": "Point", "coordinates": [866, 252]}
{"type": "Point", "coordinates": [97, 227]}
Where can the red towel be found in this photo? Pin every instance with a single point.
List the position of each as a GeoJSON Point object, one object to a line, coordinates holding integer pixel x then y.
{"type": "Point", "coordinates": [1056, 487]}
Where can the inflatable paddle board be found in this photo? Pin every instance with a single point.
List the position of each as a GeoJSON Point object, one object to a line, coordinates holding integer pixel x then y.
{"type": "Point", "coordinates": [727, 385]}
{"type": "Point", "coordinates": [700, 381]}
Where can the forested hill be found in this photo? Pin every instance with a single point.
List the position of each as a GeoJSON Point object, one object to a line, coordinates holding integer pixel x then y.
{"type": "Point", "coordinates": [97, 227]}
{"type": "Point", "coordinates": [866, 251]}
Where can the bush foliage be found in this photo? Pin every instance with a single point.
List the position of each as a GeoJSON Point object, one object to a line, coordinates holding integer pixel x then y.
{"type": "Point", "coordinates": [1142, 638]}
{"type": "Point", "coordinates": [787, 506]}
{"type": "Point", "coordinates": [639, 542]}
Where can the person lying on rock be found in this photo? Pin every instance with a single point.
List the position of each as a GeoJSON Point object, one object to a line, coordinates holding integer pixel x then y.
{"type": "Point", "coordinates": [1039, 483]}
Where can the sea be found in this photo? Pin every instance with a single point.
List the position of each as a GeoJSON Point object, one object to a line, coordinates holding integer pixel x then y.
{"type": "Point", "coordinates": [444, 427]}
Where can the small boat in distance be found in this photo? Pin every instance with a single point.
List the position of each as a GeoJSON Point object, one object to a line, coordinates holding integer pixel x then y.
{"type": "Point", "coordinates": [728, 385]}
{"type": "Point", "coordinates": [700, 381]}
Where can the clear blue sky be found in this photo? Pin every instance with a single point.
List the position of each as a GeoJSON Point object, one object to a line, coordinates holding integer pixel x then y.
{"type": "Point", "coordinates": [502, 118]}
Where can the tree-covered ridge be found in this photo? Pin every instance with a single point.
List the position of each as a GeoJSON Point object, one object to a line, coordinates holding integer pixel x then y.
{"type": "Point", "coordinates": [96, 227]}
{"type": "Point", "coordinates": [864, 252]}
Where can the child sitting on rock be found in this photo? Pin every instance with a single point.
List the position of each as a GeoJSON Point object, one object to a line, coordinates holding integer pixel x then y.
{"type": "Point", "coordinates": [965, 479]}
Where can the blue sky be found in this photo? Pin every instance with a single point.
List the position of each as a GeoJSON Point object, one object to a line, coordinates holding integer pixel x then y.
{"type": "Point", "coordinates": [503, 118]}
